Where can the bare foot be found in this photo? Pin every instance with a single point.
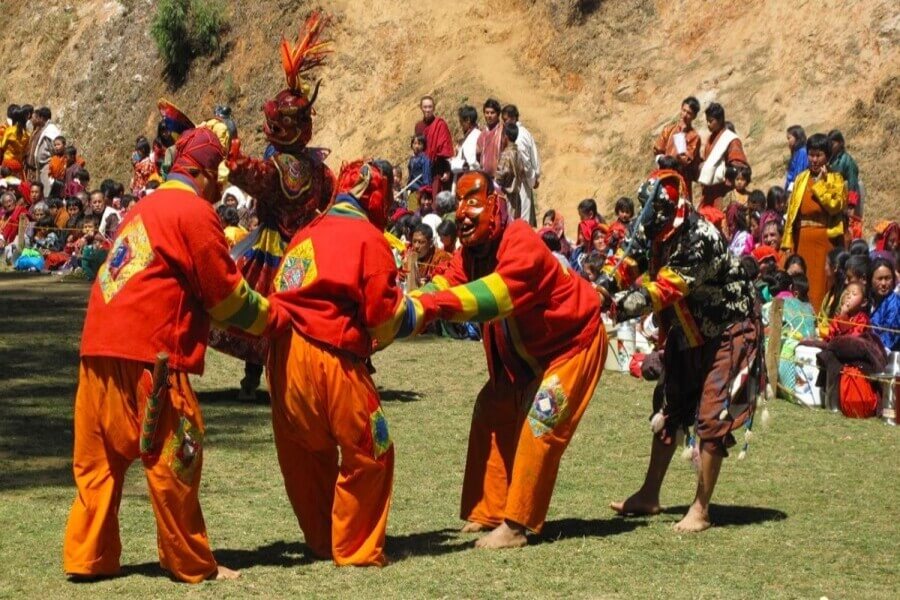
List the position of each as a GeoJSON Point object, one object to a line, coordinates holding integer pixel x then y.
{"type": "Point", "coordinates": [224, 574]}
{"type": "Point", "coordinates": [473, 527]}
{"type": "Point", "coordinates": [637, 505]}
{"type": "Point", "coordinates": [695, 521]}
{"type": "Point", "coordinates": [503, 536]}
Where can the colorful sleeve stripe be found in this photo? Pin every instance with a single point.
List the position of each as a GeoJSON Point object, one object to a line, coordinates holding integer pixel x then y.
{"type": "Point", "coordinates": [481, 300]}
{"type": "Point", "coordinates": [668, 288]}
{"type": "Point", "coordinates": [408, 319]}
{"type": "Point", "coordinates": [243, 308]}
{"type": "Point", "coordinates": [438, 283]}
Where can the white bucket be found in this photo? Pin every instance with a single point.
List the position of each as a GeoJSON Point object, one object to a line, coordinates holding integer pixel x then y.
{"type": "Point", "coordinates": [621, 345]}
{"type": "Point", "coordinates": [805, 390]}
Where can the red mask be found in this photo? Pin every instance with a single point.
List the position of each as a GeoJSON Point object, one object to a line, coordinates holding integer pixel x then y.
{"type": "Point", "coordinates": [289, 119]}
{"type": "Point", "coordinates": [478, 212]}
{"type": "Point", "coordinates": [370, 187]}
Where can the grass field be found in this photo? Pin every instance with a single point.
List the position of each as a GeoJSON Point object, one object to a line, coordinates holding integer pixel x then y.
{"type": "Point", "coordinates": [812, 512]}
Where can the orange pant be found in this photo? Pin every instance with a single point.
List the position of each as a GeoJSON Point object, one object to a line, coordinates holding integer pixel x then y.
{"type": "Point", "coordinates": [323, 402]}
{"type": "Point", "coordinates": [109, 407]}
{"type": "Point", "coordinates": [518, 436]}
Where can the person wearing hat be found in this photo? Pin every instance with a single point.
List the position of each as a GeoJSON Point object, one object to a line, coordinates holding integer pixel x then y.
{"type": "Point", "coordinates": [167, 276]}
{"type": "Point", "coordinates": [545, 350]}
{"type": "Point", "coordinates": [338, 284]}
{"type": "Point", "coordinates": [705, 303]}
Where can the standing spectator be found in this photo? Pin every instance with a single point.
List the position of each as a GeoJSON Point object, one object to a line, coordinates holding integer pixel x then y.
{"type": "Point", "coordinates": [723, 150]}
{"type": "Point", "coordinates": [531, 164]}
{"type": "Point", "coordinates": [796, 140]}
{"type": "Point", "coordinates": [438, 144]}
{"type": "Point", "coordinates": [491, 138]}
{"type": "Point", "coordinates": [41, 146]}
{"type": "Point", "coordinates": [419, 165]}
{"type": "Point", "coordinates": [56, 168]}
{"type": "Point", "coordinates": [681, 141]}
{"type": "Point", "coordinates": [467, 152]}
{"type": "Point", "coordinates": [14, 143]}
{"type": "Point", "coordinates": [510, 172]}
{"type": "Point", "coordinates": [814, 222]}
{"type": "Point", "coordinates": [143, 164]}
{"type": "Point", "coordinates": [73, 165]}
{"type": "Point", "coordinates": [841, 162]}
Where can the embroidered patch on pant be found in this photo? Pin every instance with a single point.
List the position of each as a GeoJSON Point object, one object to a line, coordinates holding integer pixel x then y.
{"type": "Point", "coordinates": [183, 450]}
{"type": "Point", "coordinates": [549, 408]}
{"type": "Point", "coordinates": [381, 438]}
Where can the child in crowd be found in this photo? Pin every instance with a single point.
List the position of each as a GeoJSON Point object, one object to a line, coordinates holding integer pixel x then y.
{"type": "Point", "coordinates": [399, 196]}
{"type": "Point", "coordinates": [740, 178]}
{"type": "Point", "coordinates": [795, 265]}
{"type": "Point", "coordinates": [447, 233]}
{"type": "Point", "coordinates": [234, 233]}
{"type": "Point", "coordinates": [592, 267]}
{"type": "Point", "coordinates": [419, 165]}
{"type": "Point", "coordinates": [857, 269]}
{"type": "Point", "coordinates": [426, 201]}
{"type": "Point", "coordinates": [599, 242]}
{"type": "Point", "coordinates": [75, 215]}
{"type": "Point", "coordinates": [835, 280]}
{"type": "Point", "coordinates": [618, 231]}
{"type": "Point", "coordinates": [555, 221]}
{"type": "Point", "coordinates": [853, 315]}
{"type": "Point", "coordinates": [57, 210]}
{"type": "Point", "coordinates": [587, 211]}
{"type": "Point", "coordinates": [741, 241]}
{"type": "Point", "coordinates": [56, 168]}
{"type": "Point", "coordinates": [551, 240]}
{"type": "Point", "coordinates": [776, 205]}
{"type": "Point", "coordinates": [800, 288]}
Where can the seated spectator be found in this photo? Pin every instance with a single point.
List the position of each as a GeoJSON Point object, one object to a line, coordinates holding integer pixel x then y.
{"type": "Point", "coordinates": [448, 235]}
{"type": "Point", "coordinates": [885, 304]}
{"type": "Point", "coordinates": [771, 235]}
{"type": "Point", "coordinates": [551, 240]}
{"type": "Point", "coordinates": [853, 315]}
{"type": "Point", "coordinates": [887, 239]}
{"type": "Point", "coordinates": [425, 201]}
{"type": "Point", "coordinates": [75, 215]}
{"type": "Point", "coordinates": [555, 221]}
{"type": "Point", "coordinates": [776, 205]}
{"type": "Point", "coordinates": [57, 210]}
{"type": "Point", "coordinates": [445, 206]}
{"type": "Point", "coordinates": [858, 248]}
{"type": "Point", "coordinates": [798, 322]}
{"type": "Point", "coordinates": [858, 268]}
{"type": "Point", "coordinates": [795, 265]}
{"type": "Point", "coordinates": [430, 260]}
{"type": "Point", "coordinates": [741, 239]}
{"type": "Point", "coordinates": [741, 176]}
{"type": "Point", "coordinates": [800, 287]}
{"type": "Point", "coordinates": [835, 280]}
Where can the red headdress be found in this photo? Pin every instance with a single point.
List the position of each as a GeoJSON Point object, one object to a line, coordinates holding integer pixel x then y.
{"type": "Point", "coordinates": [369, 186]}
{"type": "Point", "coordinates": [288, 116]}
{"type": "Point", "coordinates": [198, 148]}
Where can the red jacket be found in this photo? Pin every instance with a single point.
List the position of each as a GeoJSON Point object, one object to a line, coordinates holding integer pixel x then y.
{"type": "Point", "coordinates": [535, 311]}
{"type": "Point", "coordinates": [338, 284]}
{"type": "Point", "coordinates": [167, 274]}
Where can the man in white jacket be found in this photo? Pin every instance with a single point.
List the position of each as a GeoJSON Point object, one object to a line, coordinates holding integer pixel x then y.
{"type": "Point", "coordinates": [42, 149]}
{"type": "Point", "coordinates": [531, 163]}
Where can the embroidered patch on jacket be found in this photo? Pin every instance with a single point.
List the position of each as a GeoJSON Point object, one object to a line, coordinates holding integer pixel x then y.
{"type": "Point", "coordinates": [298, 269]}
{"type": "Point", "coordinates": [381, 438]}
{"type": "Point", "coordinates": [183, 451]}
{"type": "Point", "coordinates": [131, 253]}
{"type": "Point", "coordinates": [549, 408]}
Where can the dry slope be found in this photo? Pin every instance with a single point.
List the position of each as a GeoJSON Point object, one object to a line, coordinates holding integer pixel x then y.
{"type": "Point", "coordinates": [593, 79]}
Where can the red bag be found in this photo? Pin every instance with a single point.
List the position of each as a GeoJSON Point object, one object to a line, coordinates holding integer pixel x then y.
{"type": "Point", "coordinates": [858, 398]}
{"type": "Point", "coordinates": [634, 367]}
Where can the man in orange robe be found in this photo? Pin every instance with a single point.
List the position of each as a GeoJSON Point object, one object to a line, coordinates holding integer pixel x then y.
{"type": "Point", "coordinates": [545, 350]}
{"type": "Point", "coordinates": [338, 284]}
{"type": "Point", "coordinates": [167, 275]}
{"type": "Point", "coordinates": [682, 142]}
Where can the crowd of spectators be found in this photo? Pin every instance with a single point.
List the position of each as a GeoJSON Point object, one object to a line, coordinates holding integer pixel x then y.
{"type": "Point", "coordinates": [804, 238]}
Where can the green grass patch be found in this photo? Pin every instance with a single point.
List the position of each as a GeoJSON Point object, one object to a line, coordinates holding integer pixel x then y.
{"type": "Point", "coordinates": [812, 512]}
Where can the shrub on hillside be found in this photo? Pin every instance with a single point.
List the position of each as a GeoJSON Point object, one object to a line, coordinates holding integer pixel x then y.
{"type": "Point", "coordinates": [185, 29]}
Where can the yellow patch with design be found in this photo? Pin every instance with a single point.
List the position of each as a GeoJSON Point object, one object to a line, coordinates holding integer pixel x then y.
{"type": "Point", "coordinates": [131, 253]}
{"type": "Point", "coordinates": [298, 268]}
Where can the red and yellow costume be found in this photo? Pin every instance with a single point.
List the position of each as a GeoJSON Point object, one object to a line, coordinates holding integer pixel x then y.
{"type": "Point", "coordinates": [168, 274]}
{"type": "Point", "coordinates": [337, 283]}
{"type": "Point", "coordinates": [545, 351]}
{"type": "Point", "coordinates": [290, 185]}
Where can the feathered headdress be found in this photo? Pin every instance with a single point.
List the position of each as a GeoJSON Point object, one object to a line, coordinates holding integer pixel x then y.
{"type": "Point", "coordinates": [309, 52]}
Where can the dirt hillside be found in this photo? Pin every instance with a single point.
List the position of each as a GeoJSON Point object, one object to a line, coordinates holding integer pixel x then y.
{"type": "Point", "coordinates": [594, 80]}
